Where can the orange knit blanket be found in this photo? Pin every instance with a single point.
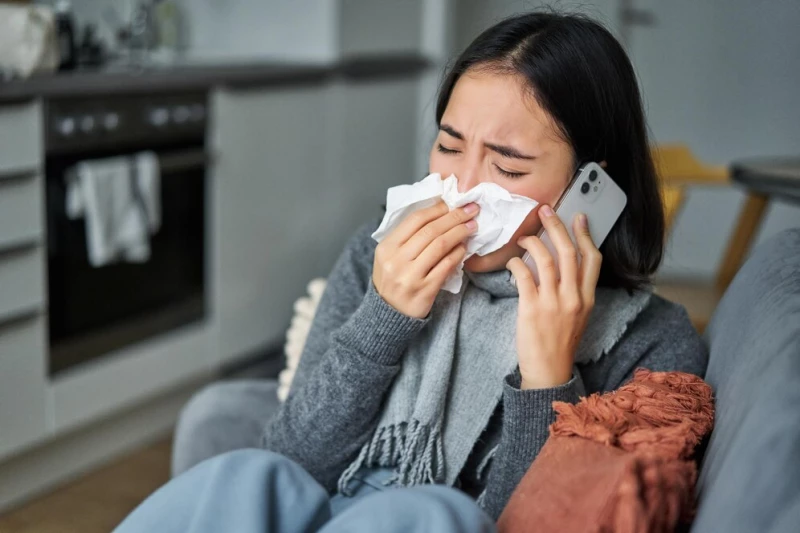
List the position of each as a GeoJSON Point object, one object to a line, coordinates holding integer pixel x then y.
{"type": "Point", "coordinates": [617, 462]}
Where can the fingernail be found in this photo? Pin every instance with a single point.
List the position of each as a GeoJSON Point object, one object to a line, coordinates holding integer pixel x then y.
{"type": "Point", "coordinates": [547, 211]}
{"type": "Point", "coordinates": [472, 225]}
{"type": "Point", "coordinates": [583, 221]}
{"type": "Point", "coordinates": [471, 208]}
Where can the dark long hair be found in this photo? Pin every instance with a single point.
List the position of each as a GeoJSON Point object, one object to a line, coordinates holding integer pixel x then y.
{"type": "Point", "coordinates": [581, 76]}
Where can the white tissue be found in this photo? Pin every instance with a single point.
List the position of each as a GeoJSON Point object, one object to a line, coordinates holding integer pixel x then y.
{"type": "Point", "coordinates": [500, 216]}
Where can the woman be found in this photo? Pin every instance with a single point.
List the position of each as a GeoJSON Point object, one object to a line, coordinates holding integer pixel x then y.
{"type": "Point", "coordinates": [401, 384]}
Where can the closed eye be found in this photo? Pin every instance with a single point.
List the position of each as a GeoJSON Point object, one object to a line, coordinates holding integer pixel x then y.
{"type": "Point", "coordinates": [508, 174]}
{"type": "Point", "coordinates": [449, 151]}
{"type": "Point", "coordinates": [444, 150]}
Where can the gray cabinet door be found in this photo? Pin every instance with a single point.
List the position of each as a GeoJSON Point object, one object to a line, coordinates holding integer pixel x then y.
{"type": "Point", "coordinates": [21, 161]}
{"type": "Point", "coordinates": [22, 384]}
{"type": "Point", "coordinates": [266, 194]}
{"type": "Point", "coordinates": [23, 348]}
{"type": "Point", "coordinates": [22, 281]}
{"type": "Point", "coordinates": [20, 137]}
{"type": "Point", "coordinates": [21, 217]}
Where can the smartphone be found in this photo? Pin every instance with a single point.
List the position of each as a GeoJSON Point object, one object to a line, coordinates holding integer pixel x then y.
{"type": "Point", "coordinates": [593, 193]}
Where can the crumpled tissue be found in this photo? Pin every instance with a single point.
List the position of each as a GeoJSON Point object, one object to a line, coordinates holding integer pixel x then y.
{"type": "Point", "coordinates": [500, 216]}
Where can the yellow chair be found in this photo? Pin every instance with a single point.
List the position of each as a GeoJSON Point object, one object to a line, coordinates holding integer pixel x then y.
{"type": "Point", "coordinates": [678, 169]}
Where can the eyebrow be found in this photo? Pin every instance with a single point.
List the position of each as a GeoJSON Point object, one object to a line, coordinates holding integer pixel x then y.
{"type": "Point", "coordinates": [505, 151]}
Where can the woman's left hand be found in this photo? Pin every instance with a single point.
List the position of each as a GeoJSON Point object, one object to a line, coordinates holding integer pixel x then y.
{"type": "Point", "coordinates": [552, 317]}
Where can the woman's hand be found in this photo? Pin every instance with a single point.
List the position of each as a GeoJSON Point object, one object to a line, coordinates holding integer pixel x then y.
{"type": "Point", "coordinates": [413, 261]}
{"type": "Point", "coordinates": [552, 317]}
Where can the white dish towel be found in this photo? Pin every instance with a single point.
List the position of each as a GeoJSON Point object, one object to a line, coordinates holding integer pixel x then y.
{"type": "Point", "coordinates": [120, 199]}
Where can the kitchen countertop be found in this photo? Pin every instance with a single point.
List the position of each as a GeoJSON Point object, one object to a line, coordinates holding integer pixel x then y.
{"type": "Point", "coordinates": [192, 77]}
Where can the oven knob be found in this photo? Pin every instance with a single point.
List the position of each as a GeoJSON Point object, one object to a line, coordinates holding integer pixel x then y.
{"type": "Point", "coordinates": [87, 124]}
{"type": "Point", "coordinates": [159, 117]}
{"type": "Point", "coordinates": [181, 114]}
{"type": "Point", "coordinates": [66, 126]}
{"type": "Point", "coordinates": [198, 112]}
{"type": "Point", "coordinates": [111, 121]}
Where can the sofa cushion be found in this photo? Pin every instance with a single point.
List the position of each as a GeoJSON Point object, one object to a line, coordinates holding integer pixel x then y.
{"type": "Point", "coordinates": [750, 476]}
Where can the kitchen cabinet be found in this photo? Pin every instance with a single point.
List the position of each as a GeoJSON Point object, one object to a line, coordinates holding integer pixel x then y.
{"type": "Point", "coordinates": [298, 160]}
{"type": "Point", "coordinates": [287, 198]}
{"type": "Point", "coordinates": [130, 376]}
{"type": "Point", "coordinates": [271, 156]}
{"type": "Point", "coordinates": [23, 417]}
{"type": "Point", "coordinates": [21, 192]}
{"type": "Point", "coordinates": [20, 137]}
{"type": "Point", "coordinates": [22, 280]}
{"type": "Point", "coordinates": [20, 208]}
{"type": "Point", "coordinates": [23, 331]}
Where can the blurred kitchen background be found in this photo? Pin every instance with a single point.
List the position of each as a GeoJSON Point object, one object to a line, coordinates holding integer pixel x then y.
{"type": "Point", "coordinates": [251, 138]}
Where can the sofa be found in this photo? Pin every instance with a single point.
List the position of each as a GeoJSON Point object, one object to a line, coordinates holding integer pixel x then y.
{"type": "Point", "coordinates": [749, 480]}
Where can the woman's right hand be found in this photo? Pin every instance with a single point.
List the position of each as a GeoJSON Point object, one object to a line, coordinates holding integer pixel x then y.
{"type": "Point", "coordinates": [414, 260]}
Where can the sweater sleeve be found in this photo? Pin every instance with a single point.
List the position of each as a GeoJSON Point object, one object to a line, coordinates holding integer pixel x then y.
{"type": "Point", "coordinates": [349, 361]}
{"type": "Point", "coordinates": [661, 339]}
{"type": "Point", "coordinates": [527, 415]}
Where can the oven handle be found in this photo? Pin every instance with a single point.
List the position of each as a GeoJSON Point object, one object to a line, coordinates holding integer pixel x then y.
{"type": "Point", "coordinates": [183, 160]}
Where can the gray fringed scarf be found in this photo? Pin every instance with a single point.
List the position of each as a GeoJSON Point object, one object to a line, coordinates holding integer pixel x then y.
{"type": "Point", "coordinates": [452, 375]}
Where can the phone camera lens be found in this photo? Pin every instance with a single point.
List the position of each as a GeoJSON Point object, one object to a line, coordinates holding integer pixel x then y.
{"type": "Point", "coordinates": [592, 175]}
{"type": "Point", "coordinates": [585, 187]}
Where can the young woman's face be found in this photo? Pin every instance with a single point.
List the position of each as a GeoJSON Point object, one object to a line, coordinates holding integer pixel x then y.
{"type": "Point", "coordinates": [493, 130]}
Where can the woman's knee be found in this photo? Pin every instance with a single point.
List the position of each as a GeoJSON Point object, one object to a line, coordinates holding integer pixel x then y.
{"type": "Point", "coordinates": [242, 490]}
{"type": "Point", "coordinates": [425, 508]}
{"type": "Point", "coordinates": [203, 412]}
{"type": "Point", "coordinates": [222, 417]}
{"type": "Point", "coordinates": [202, 406]}
{"type": "Point", "coordinates": [249, 459]}
{"type": "Point", "coordinates": [450, 507]}
{"type": "Point", "coordinates": [266, 472]}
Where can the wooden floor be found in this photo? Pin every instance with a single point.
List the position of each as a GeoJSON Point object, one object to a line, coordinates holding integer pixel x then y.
{"type": "Point", "coordinates": [97, 502]}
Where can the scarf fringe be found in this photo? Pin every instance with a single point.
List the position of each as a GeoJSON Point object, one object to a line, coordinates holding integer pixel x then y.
{"type": "Point", "coordinates": [485, 462]}
{"type": "Point", "coordinates": [415, 450]}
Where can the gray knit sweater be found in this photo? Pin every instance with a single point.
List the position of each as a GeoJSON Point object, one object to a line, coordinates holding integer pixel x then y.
{"type": "Point", "coordinates": [354, 350]}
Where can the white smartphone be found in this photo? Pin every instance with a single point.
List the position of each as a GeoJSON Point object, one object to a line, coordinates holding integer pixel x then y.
{"type": "Point", "coordinates": [592, 192]}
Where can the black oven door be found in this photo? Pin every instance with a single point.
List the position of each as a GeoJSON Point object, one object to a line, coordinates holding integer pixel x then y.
{"type": "Point", "coordinates": [93, 311]}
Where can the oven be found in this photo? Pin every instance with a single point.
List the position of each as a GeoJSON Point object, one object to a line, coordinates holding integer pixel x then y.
{"type": "Point", "coordinates": [94, 311]}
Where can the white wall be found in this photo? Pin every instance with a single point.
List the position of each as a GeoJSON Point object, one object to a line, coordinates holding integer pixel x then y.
{"type": "Point", "coordinates": [722, 76]}
{"type": "Point", "coordinates": [240, 30]}
{"type": "Point", "coordinates": [297, 30]}
{"type": "Point", "coordinates": [474, 16]}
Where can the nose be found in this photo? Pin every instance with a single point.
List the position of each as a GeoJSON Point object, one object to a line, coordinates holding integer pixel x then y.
{"type": "Point", "coordinates": [469, 175]}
